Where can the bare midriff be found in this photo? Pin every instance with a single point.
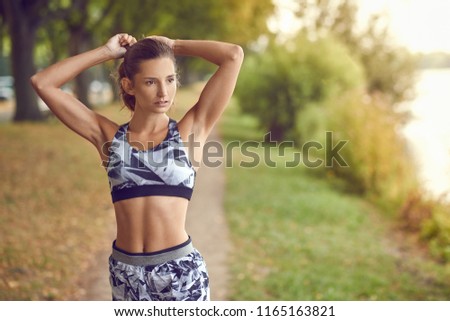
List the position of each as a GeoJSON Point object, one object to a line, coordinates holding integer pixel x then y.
{"type": "Point", "coordinates": [150, 223]}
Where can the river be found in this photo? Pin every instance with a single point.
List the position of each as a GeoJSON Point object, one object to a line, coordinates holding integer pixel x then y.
{"type": "Point", "coordinates": [428, 132]}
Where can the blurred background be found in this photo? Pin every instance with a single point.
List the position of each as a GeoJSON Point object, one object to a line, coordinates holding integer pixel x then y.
{"type": "Point", "coordinates": [374, 73]}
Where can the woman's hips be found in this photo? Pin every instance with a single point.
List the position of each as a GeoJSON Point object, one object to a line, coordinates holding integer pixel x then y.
{"type": "Point", "coordinates": [175, 274]}
{"type": "Point", "coordinates": [152, 258]}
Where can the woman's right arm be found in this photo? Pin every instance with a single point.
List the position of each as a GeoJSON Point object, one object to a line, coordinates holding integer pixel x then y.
{"type": "Point", "coordinates": [67, 108]}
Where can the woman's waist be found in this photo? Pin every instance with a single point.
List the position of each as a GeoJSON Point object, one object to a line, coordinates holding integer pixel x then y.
{"type": "Point", "coordinates": [152, 257]}
{"type": "Point", "coordinates": [152, 241]}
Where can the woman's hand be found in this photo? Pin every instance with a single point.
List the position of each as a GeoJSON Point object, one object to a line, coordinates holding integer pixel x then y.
{"type": "Point", "coordinates": [164, 40]}
{"type": "Point", "coordinates": [117, 44]}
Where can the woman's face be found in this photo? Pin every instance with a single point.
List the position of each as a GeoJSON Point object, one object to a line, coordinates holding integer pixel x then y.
{"type": "Point", "coordinates": [155, 85]}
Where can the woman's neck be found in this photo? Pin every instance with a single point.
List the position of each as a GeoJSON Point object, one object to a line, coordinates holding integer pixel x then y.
{"type": "Point", "coordinates": [148, 122]}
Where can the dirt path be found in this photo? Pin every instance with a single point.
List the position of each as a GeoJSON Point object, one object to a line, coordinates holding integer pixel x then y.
{"type": "Point", "coordinates": [205, 223]}
{"type": "Point", "coordinates": [207, 226]}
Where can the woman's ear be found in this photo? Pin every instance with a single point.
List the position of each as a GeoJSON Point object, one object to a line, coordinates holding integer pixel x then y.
{"type": "Point", "coordinates": [127, 86]}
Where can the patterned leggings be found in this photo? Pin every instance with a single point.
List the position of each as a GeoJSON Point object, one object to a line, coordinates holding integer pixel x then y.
{"type": "Point", "coordinates": [175, 274]}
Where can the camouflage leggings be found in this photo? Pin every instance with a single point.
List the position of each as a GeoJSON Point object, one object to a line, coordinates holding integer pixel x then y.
{"type": "Point", "coordinates": [176, 274]}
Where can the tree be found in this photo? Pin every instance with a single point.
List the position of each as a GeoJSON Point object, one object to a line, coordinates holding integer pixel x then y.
{"type": "Point", "coordinates": [279, 83]}
{"type": "Point", "coordinates": [186, 19]}
{"type": "Point", "coordinates": [22, 18]}
{"type": "Point", "coordinates": [71, 32]}
{"type": "Point", "coordinates": [389, 68]}
{"type": "Point", "coordinates": [80, 40]}
{"type": "Point", "coordinates": [82, 24]}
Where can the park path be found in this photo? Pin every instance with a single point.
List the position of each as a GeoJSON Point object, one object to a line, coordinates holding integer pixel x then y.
{"type": "Point", "coordinates": [206, 225]}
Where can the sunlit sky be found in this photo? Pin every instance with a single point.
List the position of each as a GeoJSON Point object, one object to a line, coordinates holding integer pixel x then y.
{"type": "Point", "coordinates": [420, 25]}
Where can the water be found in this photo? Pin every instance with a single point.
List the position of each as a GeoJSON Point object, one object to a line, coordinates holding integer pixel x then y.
{"type": "Point", "coordinates": [429, 131]}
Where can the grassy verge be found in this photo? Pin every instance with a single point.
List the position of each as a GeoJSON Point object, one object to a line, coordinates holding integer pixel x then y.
{"type": "Point", "coordinates": [54, 202]}
{"type": "Point", "coordinates": [298, 238]}
{"type": "Point", "coordinates": [55, 206]}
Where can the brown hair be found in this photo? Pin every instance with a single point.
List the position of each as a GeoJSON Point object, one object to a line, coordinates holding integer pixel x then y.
{"type": "Point", "coordinates": [144, 49]}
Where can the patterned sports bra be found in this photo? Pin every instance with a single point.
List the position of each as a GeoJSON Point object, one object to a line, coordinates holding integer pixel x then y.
{"type": "Point", "coordinates": [162, 170]}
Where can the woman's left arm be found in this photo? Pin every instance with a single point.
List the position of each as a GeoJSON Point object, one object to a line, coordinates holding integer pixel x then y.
{"type": "Point", "coordinates": [216, 95]}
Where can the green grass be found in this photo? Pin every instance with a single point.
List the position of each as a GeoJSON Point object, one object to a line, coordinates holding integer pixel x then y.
{"type": "Point", "coordinates": [296, 237]}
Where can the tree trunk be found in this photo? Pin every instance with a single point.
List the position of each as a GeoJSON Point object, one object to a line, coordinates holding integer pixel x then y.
{"type": "Point", "coordinates": [22, 41]}
{"type": "Point", "coordinates": [79, 42]}
{"type": "Point", "coordinates": [277, 133]}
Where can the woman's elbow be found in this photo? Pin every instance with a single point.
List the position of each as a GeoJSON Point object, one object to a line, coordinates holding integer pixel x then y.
{"type": "Point", "coordinates": [35, 83]}
{"type": "Point", "coordinates": [237, 53]}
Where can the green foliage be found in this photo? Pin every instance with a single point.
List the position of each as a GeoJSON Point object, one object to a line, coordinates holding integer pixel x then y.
{"type": "Point", "coordinates": [378, 162]}
{"type": "Point", "coordinates": [220, 17]}
{"type": "Point", "coordinates": [81, 24]}
{"type": "Point", "coordinates": [429, 217]}
{"type": "Point", "coordinates": [436, 230]}
{"type": "Point", "coordinates": [379, 165]}
{"type": "Point", "coordinates": [277, 84]}
{"type": "Point", "coordinates": [183, 19]}
{"type": "Point", "coordinates": [389, 68]}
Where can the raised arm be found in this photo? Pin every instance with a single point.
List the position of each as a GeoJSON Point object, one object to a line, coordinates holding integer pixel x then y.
{"type": "Point", "coordinates": [67, 108]}
{"type": "Point", "coordinates": [217, 93]}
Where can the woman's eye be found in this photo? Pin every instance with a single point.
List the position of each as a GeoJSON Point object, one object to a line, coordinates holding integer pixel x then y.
{"type": "Point", "coordinates": [171, 80]}
{"type": "Point", "coordinates": [150, 82]}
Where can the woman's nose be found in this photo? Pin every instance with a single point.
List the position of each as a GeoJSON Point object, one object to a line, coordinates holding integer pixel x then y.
{"type": "Point", "coordinates": [162, 91]}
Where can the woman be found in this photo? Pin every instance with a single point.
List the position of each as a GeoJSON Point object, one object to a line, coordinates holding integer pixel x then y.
{"type": "Point", "coordinates": [151, 174]}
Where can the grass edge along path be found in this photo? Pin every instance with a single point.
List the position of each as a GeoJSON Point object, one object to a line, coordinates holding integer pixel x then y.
{"type": "Point", "coordinates": [298, 238]}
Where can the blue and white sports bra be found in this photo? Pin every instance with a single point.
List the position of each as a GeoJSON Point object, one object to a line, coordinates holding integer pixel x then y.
{"type": "Point", "coordinates": [162, 170]}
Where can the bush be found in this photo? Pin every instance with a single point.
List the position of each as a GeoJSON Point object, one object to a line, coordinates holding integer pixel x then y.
{"type": "Point", "coordinates": [379, 164]}
{"type": "Point", "coordinates": [430, 217]}
{"type": "Point", "coordinates": [436, 230]}
{"type": "Point", "coordinates": [377, 156]}
{"type": "Point", "coordinates": [415, 210]}
{"type": "Point", "coordinates": [278, 83]}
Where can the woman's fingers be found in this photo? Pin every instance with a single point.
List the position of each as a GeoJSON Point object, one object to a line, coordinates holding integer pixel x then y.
{"type": "Point", "coordinates": [126, 40]}
{"type": "Point", "coordinates": [118, 44]}
{"type": "Point", "coordinates": [133, 41]}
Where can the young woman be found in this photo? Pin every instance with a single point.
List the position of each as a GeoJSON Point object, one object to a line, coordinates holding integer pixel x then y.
{"type": "Point", "coordinates": [151, 173]}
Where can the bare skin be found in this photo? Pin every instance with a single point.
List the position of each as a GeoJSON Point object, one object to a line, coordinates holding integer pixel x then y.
{"type": "Point", "coordinates": [151, 223]}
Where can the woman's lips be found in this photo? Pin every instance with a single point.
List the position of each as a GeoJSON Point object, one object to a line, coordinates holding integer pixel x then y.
{"type": "Point", "coordinates": [162, 103]}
